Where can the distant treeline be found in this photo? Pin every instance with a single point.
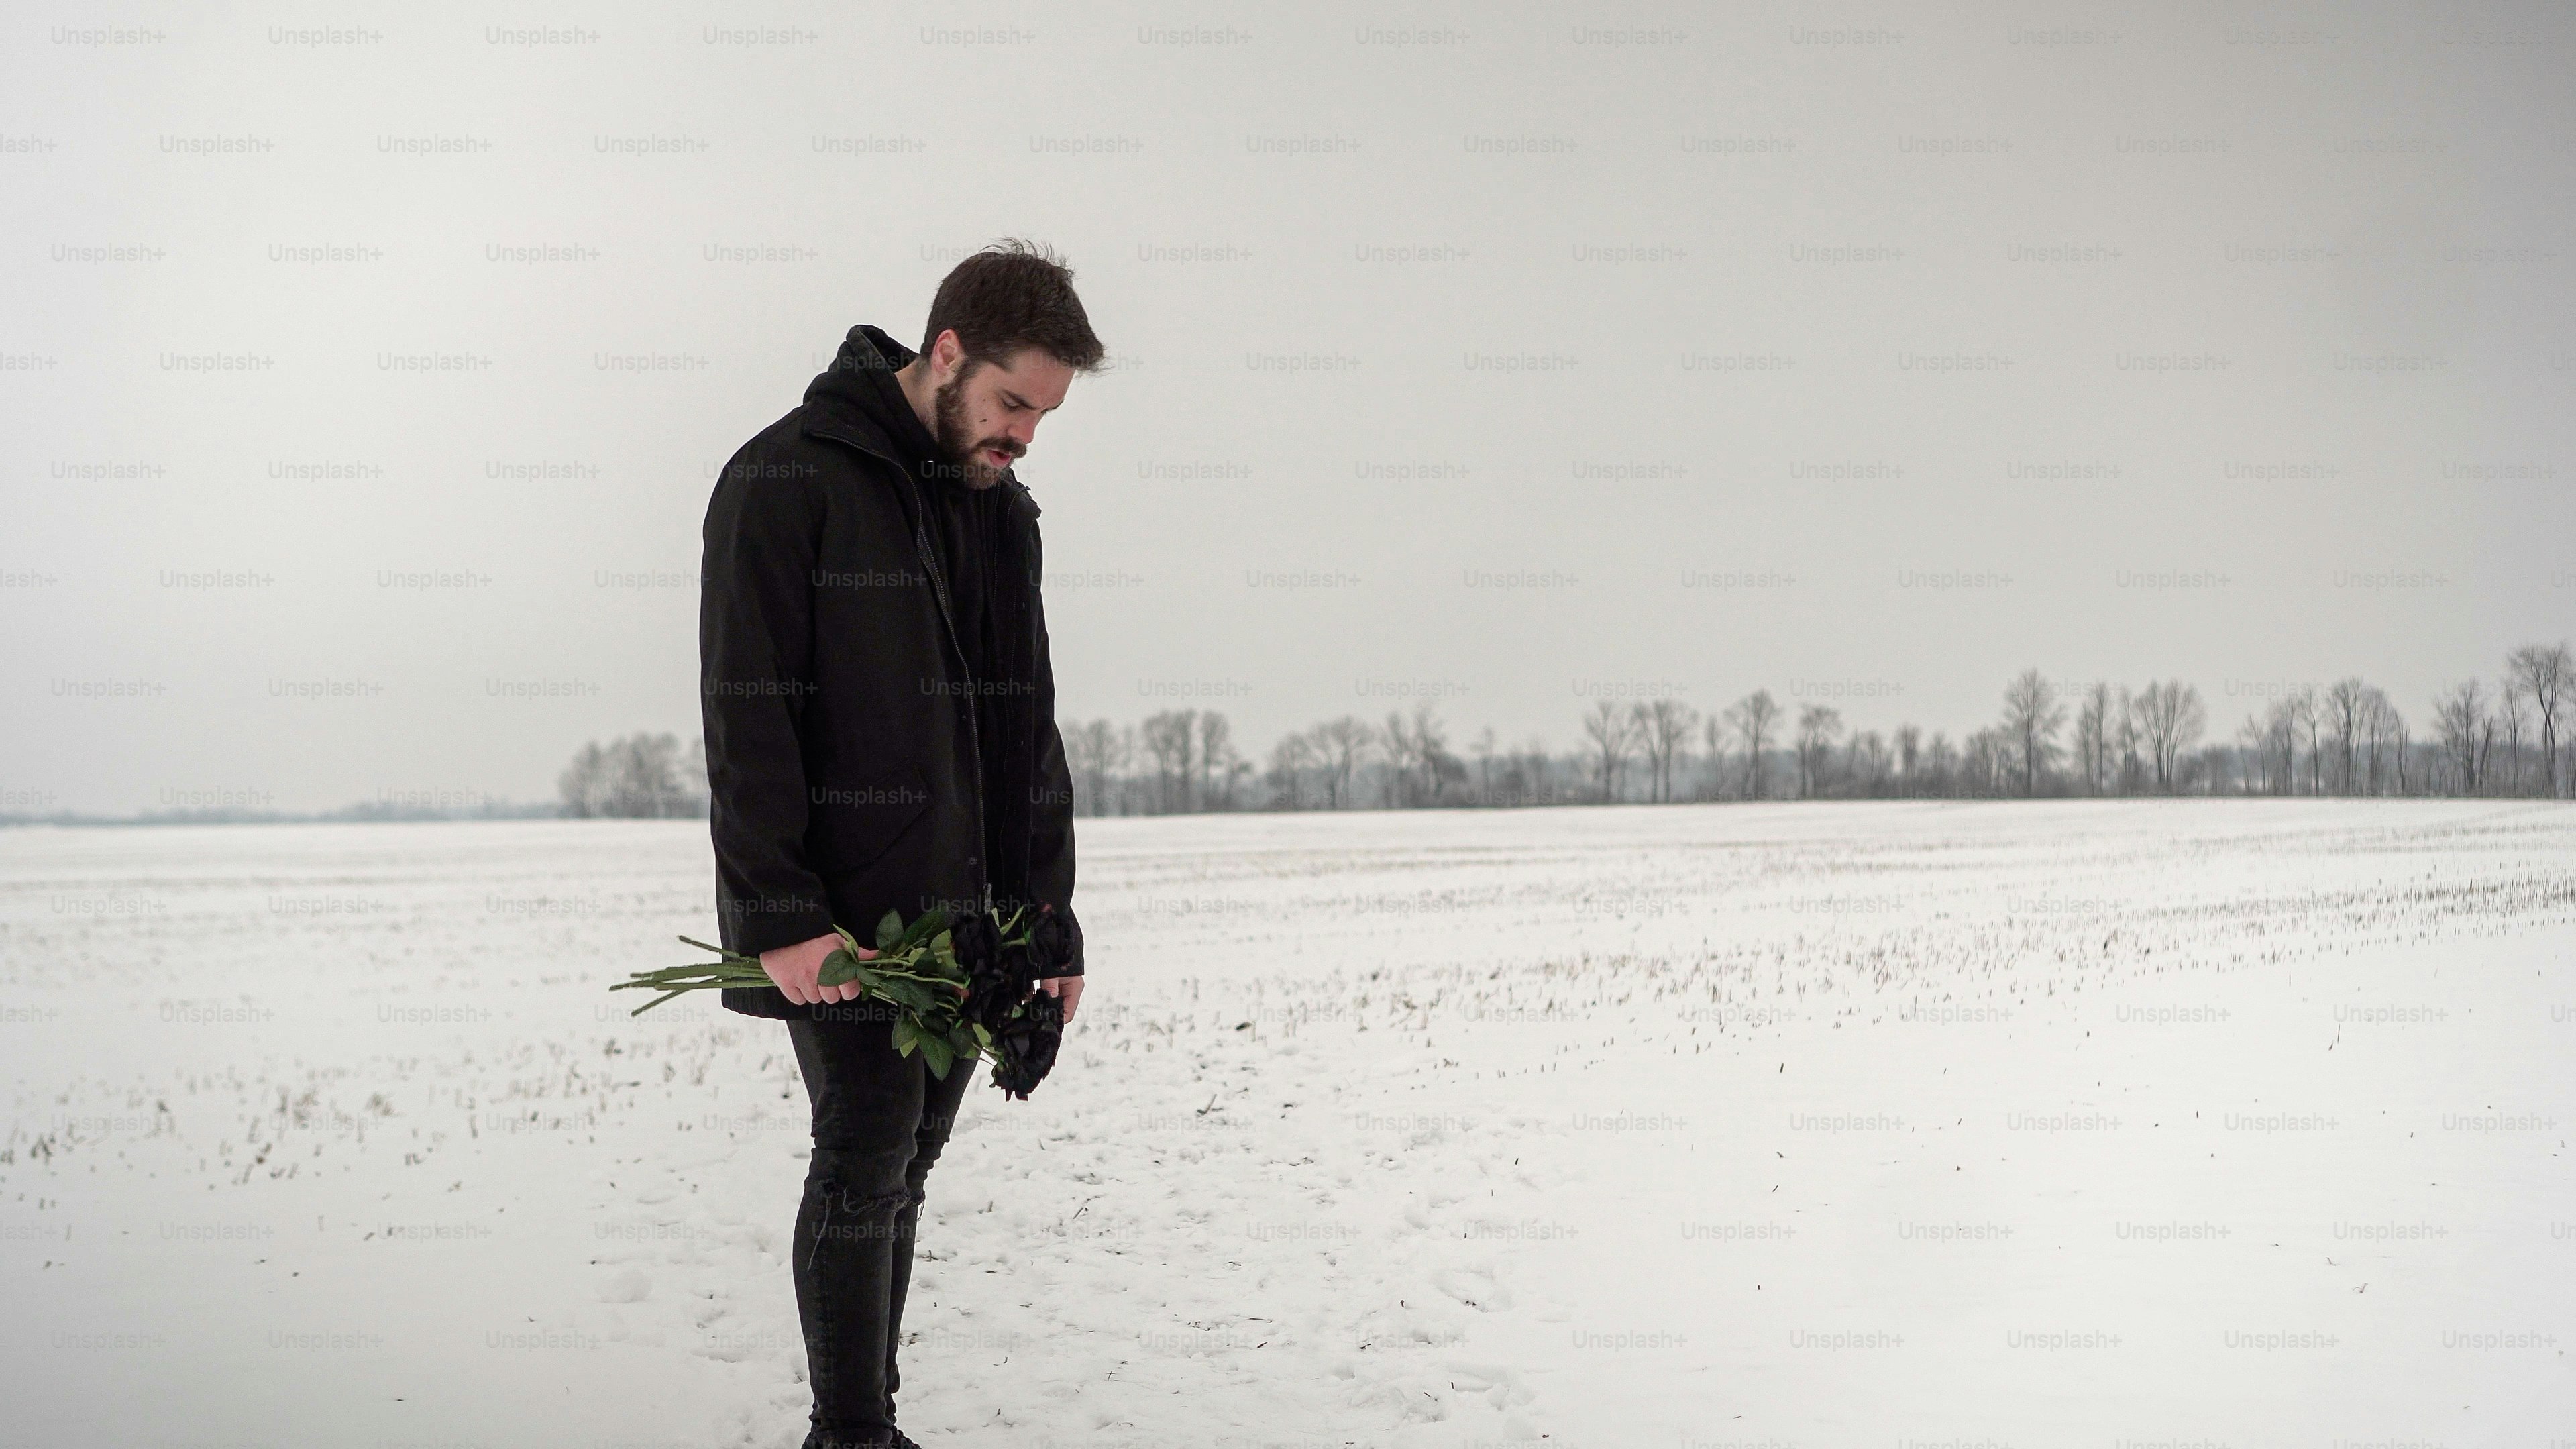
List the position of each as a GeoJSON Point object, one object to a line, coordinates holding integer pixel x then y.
{"type": "Point", "coordinates": [639, 776]}
{"type": "Point", "coordinates": [2507, 737]}
{"type": "Point", "coordinates": [434, 805]}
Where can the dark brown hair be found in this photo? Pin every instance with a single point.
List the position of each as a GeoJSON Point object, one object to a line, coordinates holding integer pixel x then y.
{"type": "Point", "coordinates": [1010, 295]}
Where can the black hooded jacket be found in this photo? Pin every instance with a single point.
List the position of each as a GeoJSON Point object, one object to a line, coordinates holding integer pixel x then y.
{"type": "Point", "coordinates": [874, 740]}
{"type": "Point", "coordinates": [967, 528]}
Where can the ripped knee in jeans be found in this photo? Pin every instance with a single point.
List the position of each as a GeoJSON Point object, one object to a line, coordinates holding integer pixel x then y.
{"type": "Point", "coordinates": [854, 1172]}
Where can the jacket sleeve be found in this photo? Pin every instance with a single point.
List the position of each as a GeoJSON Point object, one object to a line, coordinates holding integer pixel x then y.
{"type": "Point", "coordinates": [755, 675]}
{"type": "Point", "coordinates": [1051, 811]}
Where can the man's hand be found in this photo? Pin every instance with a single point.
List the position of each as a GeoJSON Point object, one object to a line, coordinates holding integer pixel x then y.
{"type": "Point", "coordinates": [794, 970]}
{"type": "Point", "coordinates": [1066, 989]}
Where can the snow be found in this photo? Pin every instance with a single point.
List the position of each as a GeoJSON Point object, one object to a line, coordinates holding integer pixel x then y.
{"type": "Point", "coordinates": [2045, 1123]}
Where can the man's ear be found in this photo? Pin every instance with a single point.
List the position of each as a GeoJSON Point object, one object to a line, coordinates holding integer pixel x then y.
{"type": "Point", "coordinates": [947, 354]}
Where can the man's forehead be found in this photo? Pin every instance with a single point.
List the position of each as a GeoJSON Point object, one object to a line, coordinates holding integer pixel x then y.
{"type": "Point", "coordinates": [1033, 374]}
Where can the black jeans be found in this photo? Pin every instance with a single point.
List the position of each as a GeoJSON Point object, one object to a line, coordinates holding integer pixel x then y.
{"type": "Point", "coordinates": [879, 1122]}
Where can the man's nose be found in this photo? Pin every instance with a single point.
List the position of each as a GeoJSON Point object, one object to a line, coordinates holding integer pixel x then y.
{"type": "Point", "coordinates": [1023, 433]}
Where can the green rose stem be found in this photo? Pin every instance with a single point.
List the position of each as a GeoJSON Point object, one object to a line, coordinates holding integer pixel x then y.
{"type": "Point", "coordinates": [735, 969]}
{"type": "Point", "coordinates": [926, 1016]}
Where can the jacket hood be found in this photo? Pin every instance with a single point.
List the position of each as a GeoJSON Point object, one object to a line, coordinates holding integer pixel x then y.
{"type": "Point", "coordinates": [847, 392]}
{"type": "Point", "coordinates": [847, 398]}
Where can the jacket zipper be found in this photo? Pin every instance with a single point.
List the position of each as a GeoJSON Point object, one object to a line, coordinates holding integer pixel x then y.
{"type": "Point", "coordinates": [939, 591]}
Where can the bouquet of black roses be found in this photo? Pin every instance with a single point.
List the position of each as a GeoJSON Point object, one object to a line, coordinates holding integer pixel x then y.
{"type": "Point", "coordinates": [961, 989]}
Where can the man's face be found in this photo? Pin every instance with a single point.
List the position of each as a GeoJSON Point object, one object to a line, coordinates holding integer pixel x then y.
{"type": "Point", "coordinates": [988, 412]}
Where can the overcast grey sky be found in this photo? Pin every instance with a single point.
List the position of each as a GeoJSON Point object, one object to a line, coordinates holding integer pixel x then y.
{"type": "Point", "coordinates": [364, 369]}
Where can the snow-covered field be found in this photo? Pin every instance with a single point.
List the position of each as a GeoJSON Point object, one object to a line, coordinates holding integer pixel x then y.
{"type": "Point", "coordinates": [2032, 1124]}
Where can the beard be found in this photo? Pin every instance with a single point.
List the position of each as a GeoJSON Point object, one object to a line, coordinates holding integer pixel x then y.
{"type": "Point", "coordinates": [963, 450]}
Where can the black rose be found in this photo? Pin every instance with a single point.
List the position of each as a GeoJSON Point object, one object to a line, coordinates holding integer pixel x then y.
{"type": "Point", "coordinates": [996, 976]}
{"type": "Point", "coordinates": [1016, 964]}
{"type": "Point", "coordinates": [1053, 942]}
{"type": "Point", "coordinates": [975, 940]}
{"type": "Point", "coordinates": [1024, 1048]}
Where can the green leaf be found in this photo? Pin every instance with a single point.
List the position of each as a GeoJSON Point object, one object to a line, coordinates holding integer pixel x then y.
{"type": "Point", "coordinates": [936, 1054]}
{"type": "Point", "coordinates": [838, 967]}
{"type": "Point", "coordinates": [889, 930]}
{"type": "Point", "coordinates": [906, 1036]}
{"type": "Point", "coordinates": [909, 994]}
{"type": "Point", "coordinates": [926, 925]}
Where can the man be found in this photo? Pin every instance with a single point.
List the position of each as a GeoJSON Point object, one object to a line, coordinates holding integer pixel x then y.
{"type": "Point", "coordinates": [880, 727]}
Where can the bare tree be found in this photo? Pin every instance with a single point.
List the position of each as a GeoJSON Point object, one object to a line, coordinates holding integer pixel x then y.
{"type": "Point", "coordinates": [2461, 717]}
{"type": "Point", "coordinates": [1396, 742]}
{"type": "Point", "coordinates": [1430, 751]}
{"type": "Point", "coordinates": [1217, 761]}
{"type": "Point", "coordinates": [1341, 744]}
{"type": "Point", "coordinates": [2512, 715]}
{"type": "Point", "coordinates": [1909, 750]}
{"type": "Point", "coordinates": [1290, 758]}
{"type": "Point", "coordinates": [1124, 754]}
{"type": "Point", "coordinates": [1868, 760]}
{"type": "Point", "coordinates": [1529, 776]}
{"type": "Point", "coordinates": [2308, 714]}
{"type": "Point", "coordinates": [583, 785]}
{"type": "Point", "coordinates": [1090, 754]}
{"type": "Point", "coordinates": [2250, 741]}
{"type": "Point", "coordinates": [1985, 762]}
{"type": "Point", "coordinates": [2170, 717]}
{"type": "Point", "coordinates": [1818, 725]}
{"type": "Point", "coordinates": [648, 778]}
{"type": "Point", "coordinates": [636, 777]}
{"type": "Point", "coordinates": [1662, 725]}
{"type": "Point", "coordinates": [1941, 763]}
{"type": "Point", "coordinates": [2126, 735]}
{"type": "Point", "coordinates": [2345, 709]}
{"type": "Point", "coordinates": [2297, 714]}
{"type": "Point", "coordinates": [1753, 716]}
{"type": "Point", "coordinates": [2093, 727]}
{"type": "Point", "coordinates": [2032, 716]}
{"type": "Point", "coordinates": [2547, 673]}
{"type": "Point", "coordinates": [2379, 725]}
{"type": "Point", "coordinates": [2210, 769]}
{"type": "Point", "coordinates": [1610, 729]}
{"type": "Point", "coordinates": [1169, 739]}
